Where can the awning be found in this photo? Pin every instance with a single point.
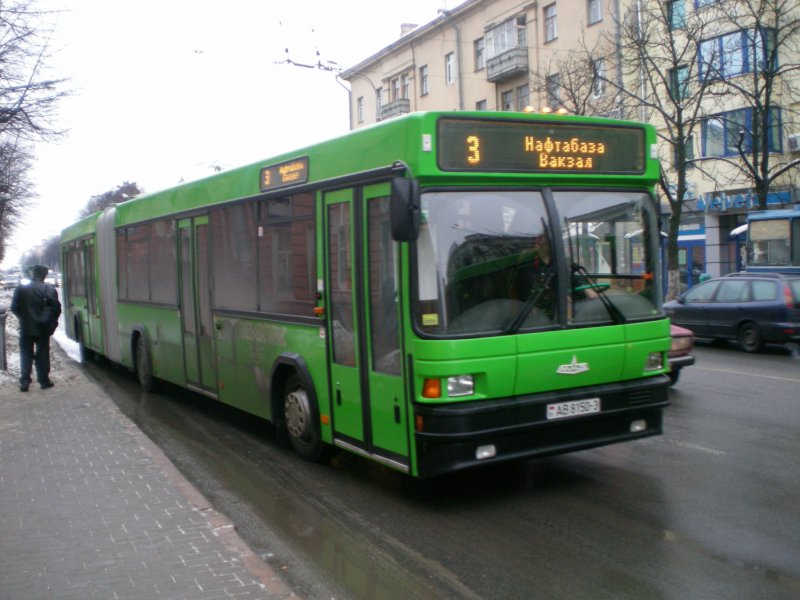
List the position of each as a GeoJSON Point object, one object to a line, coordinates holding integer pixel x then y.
{"type": "Point", "coordinates": [738, 230]}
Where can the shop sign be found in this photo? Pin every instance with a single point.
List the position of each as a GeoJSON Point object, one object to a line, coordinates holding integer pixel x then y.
{"type": "Point", "coordinates": [722, 202]}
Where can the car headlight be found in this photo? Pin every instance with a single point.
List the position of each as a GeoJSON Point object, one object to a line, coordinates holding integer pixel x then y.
{"type": "Point", "coordinates": [681, 344]}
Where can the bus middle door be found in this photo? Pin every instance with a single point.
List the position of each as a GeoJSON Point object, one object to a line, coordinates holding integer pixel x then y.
{"type": "Point", "coordinates": [195, 304]}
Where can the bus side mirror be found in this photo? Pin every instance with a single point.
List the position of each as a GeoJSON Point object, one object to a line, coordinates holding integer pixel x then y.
{"type": "Point", "coordinates": [404, 209]}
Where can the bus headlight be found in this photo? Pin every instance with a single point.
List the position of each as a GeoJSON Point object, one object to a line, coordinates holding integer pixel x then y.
{"type": "Point", "coordinates": [461, 385]}
{"type": "Point", "coordinates": [655, 361]}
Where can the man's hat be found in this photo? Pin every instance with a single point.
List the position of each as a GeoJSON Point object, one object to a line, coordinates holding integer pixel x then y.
{"type": "Point", "coordinates": [38, 271]}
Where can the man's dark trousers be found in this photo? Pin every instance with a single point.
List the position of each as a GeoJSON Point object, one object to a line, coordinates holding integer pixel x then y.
{"type": "Point", "coordinates": [34, 350]}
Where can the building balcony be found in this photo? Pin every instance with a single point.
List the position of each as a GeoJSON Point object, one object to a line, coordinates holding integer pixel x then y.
{"type": "Point", "coordinates": [395, 108]}
{"type": "Point", "coordinates": [507, 65]}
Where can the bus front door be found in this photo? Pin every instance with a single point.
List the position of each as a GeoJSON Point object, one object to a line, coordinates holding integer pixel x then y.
{"type": "Point", "coordinates": [195, 306]}
{"type": "Point", "coordinates": [367, 392]}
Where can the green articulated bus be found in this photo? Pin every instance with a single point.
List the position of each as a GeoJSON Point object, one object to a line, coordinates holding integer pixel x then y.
{"type": "Point", "coordinates": [435, 292]}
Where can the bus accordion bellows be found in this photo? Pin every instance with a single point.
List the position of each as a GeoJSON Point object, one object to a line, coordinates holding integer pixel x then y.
{"type": "Point", "coordinates": [435, 292]}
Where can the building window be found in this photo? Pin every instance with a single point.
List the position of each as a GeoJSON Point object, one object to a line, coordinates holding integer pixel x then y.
{"type": "Point", "coordinates": [449, 68]}
{"type": "Point", "coordinates": [480, 105]}
{"type": "Point", "coordinates": [507, 100]}
{"type": "Point", "coordinates": [395, 89]}
{"type": "Point", "coordinates": [723, 133]}
{"type": "Point", "coordinates": [423, 80]}
{"type": "Point", "coordinates": [523, 97]}
{"type": "Point", "coordinates": [595, 8]}
{"type": "Point", "coordinates": [735, 53]}
{"type": "Point", "coordinates": [405, 87]}
{"type": "Point", "coordinates": [702, 3]}
{"type": "Point", "coordinates": [360, 109]}
{"type": "Point", "coordinates": [479, 47]}
{"type": "Point", "coordinates": [378, 101]}
{"type": "Point", "coordinates": [550, 24]}
{"type": "Point", "coordinates": [598, 73]}
{"type": "Point", "coordinates": [713, 136]}
{"type": "Point", "coordinates": [506, 36]}
{"type": "Point", "coordinates": [676, 13]}
{"type": "Point", "coordinates": [679, 83]}
{"type": "Point", "coordinates": [553, 91]}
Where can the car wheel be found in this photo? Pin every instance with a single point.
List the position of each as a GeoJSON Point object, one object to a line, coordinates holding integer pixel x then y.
{"type": "Point", "coordinates": [750, 338]}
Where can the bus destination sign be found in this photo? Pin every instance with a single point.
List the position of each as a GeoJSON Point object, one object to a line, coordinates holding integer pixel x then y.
{"type": "Point", "coordinates": [284, 174]}
{"type": "Point", "coordinates": [539, 147]}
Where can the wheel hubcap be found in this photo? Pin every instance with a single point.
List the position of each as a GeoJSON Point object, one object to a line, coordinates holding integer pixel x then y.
{"type": "Point", "coordinates": [297, 413]}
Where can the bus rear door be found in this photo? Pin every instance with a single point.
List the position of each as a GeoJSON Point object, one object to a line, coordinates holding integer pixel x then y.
{"type": "Point", "coordinates": [367, 393]}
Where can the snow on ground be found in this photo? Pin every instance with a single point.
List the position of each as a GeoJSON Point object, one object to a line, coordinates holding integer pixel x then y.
{"type": "Point", "coordinates": [10, 376]}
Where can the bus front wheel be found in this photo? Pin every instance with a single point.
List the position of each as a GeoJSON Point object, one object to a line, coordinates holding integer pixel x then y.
{"type": "Point", "coordinates": [302, 423]}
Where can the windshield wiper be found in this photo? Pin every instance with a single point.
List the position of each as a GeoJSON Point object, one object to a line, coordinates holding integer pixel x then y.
{"type": "Point", "coordinates": [537, 289]}
{"type": "Point", "coordinates": [600, 289]}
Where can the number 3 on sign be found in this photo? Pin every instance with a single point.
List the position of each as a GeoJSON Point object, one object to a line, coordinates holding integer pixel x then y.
{"type": "Point", "coordinates": [473, 150]}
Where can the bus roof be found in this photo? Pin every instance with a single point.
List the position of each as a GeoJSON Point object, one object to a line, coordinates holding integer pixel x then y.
{"type": "Point", "coordinates": [777, 213]}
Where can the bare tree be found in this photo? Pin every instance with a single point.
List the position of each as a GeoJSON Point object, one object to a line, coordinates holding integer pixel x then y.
{"type": "Point", "coordinates": [28, 99]}
{"type": "Point", "coordinates": [755, 60]}
{"type": "Point", "coordinates": [121, 193]}
{"type": "Point", "coordinates": [659, 51]}
{"type": "Point", "coordinates": [45, 253]}
{"type": "Point", "coordinates": [15, 189]}
{"type": "Point", "coordinates": [645, 69]}
{"type": "Point", "coordinates": [575, 83]}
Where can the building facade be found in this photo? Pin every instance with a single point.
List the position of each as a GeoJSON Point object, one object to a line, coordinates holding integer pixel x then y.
{"type": "Point", "coordinates": [512, 55]}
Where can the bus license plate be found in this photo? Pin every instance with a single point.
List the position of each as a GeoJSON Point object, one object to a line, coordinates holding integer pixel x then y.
{"type": "Point", "coordinates": [574, 408]}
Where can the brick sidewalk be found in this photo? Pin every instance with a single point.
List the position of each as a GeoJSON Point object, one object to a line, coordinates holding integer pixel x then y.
{"type": "Point", "coordinates": [91, 508]}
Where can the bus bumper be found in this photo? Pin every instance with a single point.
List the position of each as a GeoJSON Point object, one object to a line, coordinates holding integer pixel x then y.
{"type": "Point", "coordinates": [467, 434]}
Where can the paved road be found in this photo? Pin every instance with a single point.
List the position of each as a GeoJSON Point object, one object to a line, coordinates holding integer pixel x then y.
{"type": "Point", "coordinates": [709, 510]}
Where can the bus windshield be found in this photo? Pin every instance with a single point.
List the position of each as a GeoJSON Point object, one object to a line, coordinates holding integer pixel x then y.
{"type": "Point", "coordinates": [770, 242]}
{"type": "Point", "coordinates": [487, 262]}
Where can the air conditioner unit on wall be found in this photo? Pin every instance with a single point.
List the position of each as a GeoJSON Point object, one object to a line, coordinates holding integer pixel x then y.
{"type": "Point", "coordinates": [794, 142]}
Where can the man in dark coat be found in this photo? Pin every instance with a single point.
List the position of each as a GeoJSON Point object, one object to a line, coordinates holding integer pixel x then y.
{"type": "Point", "coordinates": [37, 307]}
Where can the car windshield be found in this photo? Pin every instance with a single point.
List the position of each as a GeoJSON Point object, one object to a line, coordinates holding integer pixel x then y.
{"type": "Point", "coordinates": [499, 262]}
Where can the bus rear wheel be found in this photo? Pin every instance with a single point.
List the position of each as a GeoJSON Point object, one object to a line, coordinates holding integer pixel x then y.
{"type": "Point", "coordinates": [87, 354]}
{"type": "Point", "coordinates": [301, 420]}
{"type": "Point", "coordinates": [144, 369]}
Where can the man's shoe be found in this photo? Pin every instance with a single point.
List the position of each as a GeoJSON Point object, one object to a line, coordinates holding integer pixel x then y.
{"type": "Point", "coordinates": [47, 385]}
{"type": "Point", "coordinates": [23, 387]}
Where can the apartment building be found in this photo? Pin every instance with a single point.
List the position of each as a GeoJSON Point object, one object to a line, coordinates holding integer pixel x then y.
{"type": "Point", "coordinates": [510, 55]}
{"type": "Point", "coordinates": [477, 56]}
